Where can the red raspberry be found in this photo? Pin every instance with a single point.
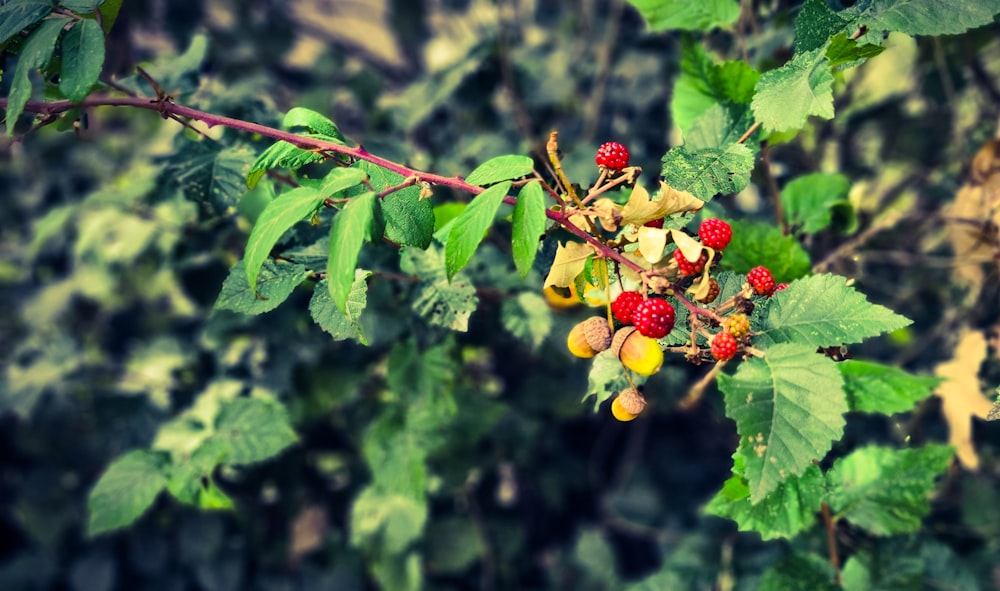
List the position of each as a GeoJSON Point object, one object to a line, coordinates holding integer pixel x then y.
{"type": "Point", "coordinates": [612, 155]}
{"type": "Point", "coordinates": [654, 223]}
{"type": "Point", "coordinates": [625, 304]}
{"type": "Point", "coordinates": [715, 233]}
{"type": "Point", "coordinates": [737, 325]}
{"type": "Point", "coordinates": [687, 267]}
{"type": "Point", "coordinates": [724, 346]}
{"type": "Point", "coordinates": [653, 318]}
{"type": "Point", "coordinates": [761, 280]}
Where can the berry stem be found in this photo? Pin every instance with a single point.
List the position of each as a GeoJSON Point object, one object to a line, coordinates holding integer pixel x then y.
{"type": "Point", "coordinates": [598, 188]}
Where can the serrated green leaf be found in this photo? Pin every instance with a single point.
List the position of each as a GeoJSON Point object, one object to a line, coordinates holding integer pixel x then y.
{"type": "Point", "coordinates": [876, 388]}
{"type": "Point", "coordinates": [126, 490]}
{"type": "Point", "coordinates": [858, 490]}
{"type": "Point", "coordinates": [822, 311]}
{"type": "Point", "coordinates": [788, 96]}
{"type": "Point", "coordinates": [844, 52]}
{"type": "Point", "coordinates": [924, 17]}
{"type": "Point", "coordinates": [721, 126]}
{"type": "Point", "coordinates": [347, 324]}
{"type": "Point", "coordinates": [788, 407]}
{"type": "Point", "coordinates": [801, 572]}
{"type": "Point", "coordinates": [278, 217]}
{"type": "Point", "coordinates": [409, 220]}
{"type": "Point", "coordinates": [253, 430]}
{"type": "Point", "coordinates": [300, 117]}
{"type": "Point", "coordinates": [606, 378]}
{"type": "Point", "coordinates": [359, 220]}
{"type": "Point", "coordinates": [529, 224]}
{"type": "Point", "coordinates": [275, 282]}
{"type": "Point", "coordinates": [18, 15]}
{"type": "Point", "coordinates": [389, 522]}
{"type": "Point", "coordinates": [470, 227]}
{"type": "Point", "coordinates": [82, 59]}
{"type": "Point", "coordinates": [501, 168]}
{"type": "Point", "coordinates": [210, 174]}
{"type": "Point", "coordinates": [815, 24]}
{"type": "Point", "coordinates": [787, 510]}
{"type": "Point", "coordinates": [35, 54]}
{"type": "Point", "coordinates": [708, 172]}
{"type": "Point", "coordinates": [527, 317]}
{"type": "Point", "coordinates": [187, 473]}
{"type": "Point", "coordinates": [440, 302]}
{"type": "Point", "coordinates": [907, 563]}
{"type": "Point", "coordinates": [757, 243]}
{"type": "Point", "coordinates": [281, 155]}
{"type": "Point", "coordinates": [702, 83]}
{"type": "Point", "coordinates": [663, 15]}
{"type": "Point", "coordinates": [811, 200]}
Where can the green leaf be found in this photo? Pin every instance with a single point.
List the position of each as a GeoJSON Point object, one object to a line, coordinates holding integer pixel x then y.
{"type": "Point", "coordinates": [275, 282]}
{"type": "Point", "coordinates": [210, 174]}
{"type": "Point", "coordinates": [188, 473]}
{"type": "Point", "coordinates": [787, 96]}
{"type": "Point", "coordinates": [876, 388]}
{"type": "Point", "coordinates": [710, 171]}
{"type": "Point", "coordinates": [844, 52]}
{"type": "Point", "coordinates": [822, 311]}
{"type": "Point", "coordinates": [924, 17]}
{"type": "Point", "coordinates": [82, 59]}
{"type": "Point", "coordinates": [35, 54]}
{"type": "Point", "coordinates": [810, 202]}
{"type": "Point", "coordinates": [702, 83]}
{"type": "Point", "coordinates": [470, 227]}
{"type": "Point", "coordinates": [800, 572]}
{"type": "Point", "coordinates": [388, 522]}
{"type": "Point", "coordinates": [606, 378]}
{"type": "Point", "coordinates": [528, 317]}
{"type": "Point", "coordinates": [313, 122]}
{"type": "Point", "coordinates": [663, 15]}
{"type": "Point", "coordinates": [907, 563]}
{"type": "Point", "coordinates": [18, 15]}
{"type": "Point", "coordinates": [788, 408]}
{"type": "Point", "coordinates": [757, 243]}
{"type": "Point", "coordinates": [357, 221]}
{"type": "Point", "coordinates": [529, 224]}
{"type": "Point", "coordinates": [126, 490]}
{"type": "Point", "coordinates": [409, 220]}
{"type": "Point", "coordinates": [815, 24]}
{"type": "Point", "coordinates": [341, 179]}
{"type": "Point", "coordinates": [281, 155]}
{"type": "Point", "coordinates": [253, 430]}
{"type": "Point", "coordinates": [80, 6]}
{"type": "Point", "coordinates": [347, 324]}
{"type": "Point", "coordinates": [278, 217]}
{"type": "Point", "coordinates": [109, 14]}
{"type": "Point", "coordinates": [783, 513]}
{"type": "Point", "coordinates": [859, 491]}
{"type": "Point", "coordinates": [721, 126]}
{"type": "Point", "coordinates": [501, 168]}
{"type": "Point", "coordinates": [439, 301]}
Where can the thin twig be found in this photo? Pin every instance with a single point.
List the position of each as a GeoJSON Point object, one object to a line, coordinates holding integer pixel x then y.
{"type": "Point", "coordinates": [831, 542]}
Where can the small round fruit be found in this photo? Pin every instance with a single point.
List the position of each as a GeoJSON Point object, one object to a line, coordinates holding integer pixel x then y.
{"type": "Point", "coordinates": [625, 304]}
{"type": "Point", "coordinates": [637, 352]}
{"type": "Point", "coordinates": [590, 337]}
{"type": "Point", "coordinates": [688, 268]}
{"type": "Point", "coordinates": [761, 280]}
{"type": "Point", "coordinates": [628, 405]}
{"type": "Point", "coordinates": [612, 155]}
{"type": "Point", "coordinates": [654, 223]}
{"type": "Point", "coordinates": [713, 292]}
{"type": "Point", "coordinates": [724, 346]}
{"type": "Point", "coordinates": [654, 318]}
{"type": "Point", "coordinates": [715, 233]}
{"type": "Point", "coordinates": [737, 325]}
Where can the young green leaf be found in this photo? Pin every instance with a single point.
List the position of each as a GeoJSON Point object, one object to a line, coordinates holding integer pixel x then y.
{"type": "Point", "coordinates": [606, 378]}
{"type": "Point", "coordinates": [845, 52]}
{"type": "Point", "coordinates": [937, 17]}
{"type": "Point", "coordinates": [822, 310]}
{"type": "Point", "coordinates": [470, 227]}
{"type": "Point", "coordinates": [876, 388]}
{"type": "Point", "coordinates": [702, 83]}
{"type": "Point", "coordinates": [859, 491]}
{"type": "Point", "coordinates": [501, 168]}
{"type": "Point", "coordinates": [35, 54]}
{"type": "Point", "coordinates": [441, 302]}
{"type": "Point", "coordinates": [815, 24]}
{"type": "Point", "coordinates": [357, 221]}
{"type": "Point", "coordinates": [529, 224]}
{"type": "Point", "coordinates": [18, 15]}
{"type": "Point", "coordinates": [756, 243]}
{"type": "Point", "coordinates": [664, 15]}
{"type": "Point", "coordinates": [720, 126]}
{"type": "Point", "coordinates": [340, 179]}
{"type": "Point", "coordinates": [409, 220]}
{"type": "Point", "coordinates": [126, 489]}
{"type": "Point", "coordinates": [275, 282]}
{"type": "Point", "coordinates": [82, 59]}
{"type": "Point", "coordinates": [187, 472]}
{"type": "Point", "coordinates": [811, 201]}
{"type": "Point", "coordinates": [789, 408]}
{"type": "Point", "coordinates": [313, 122]}
{"type": "Point", "coordinates": [253, 430]}
{"type": "Point", "coordinates": [278, 217]}
{"type": "Point", "coordinates": [787, 96]}
{"type": "Point", "coordinates": [347, 324]}
{"type": "Point", "coordinates": [280, 155]}
{"type": "Point", "coordinates": [708, 172]}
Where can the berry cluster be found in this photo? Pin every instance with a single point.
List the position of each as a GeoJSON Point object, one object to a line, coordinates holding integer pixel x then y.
{"type": "Point", "coordinates": [653, 317]}
{"type": "Point", "coordinates": [612, 156]}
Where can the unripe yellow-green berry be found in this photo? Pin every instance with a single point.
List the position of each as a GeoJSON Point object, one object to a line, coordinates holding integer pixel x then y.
{"type": "Point", "coordinates": [639, 353]}
{"type": "Point", "coordinates": [589, 337]}
{"type": "Point", "coordinates": [627, 405]}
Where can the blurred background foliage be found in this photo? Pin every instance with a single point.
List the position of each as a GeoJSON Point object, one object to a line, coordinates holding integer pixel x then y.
{"type": "Point", "coordinates": [115, 251]}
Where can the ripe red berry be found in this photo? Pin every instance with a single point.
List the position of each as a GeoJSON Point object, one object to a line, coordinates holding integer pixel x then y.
{"type": "Point", "coordinates": [724, 346]}
{"type": "Point", "coordinates": [625, 304]}
{"type": "Point", "coordinates": [688, 268]}
{"type": "Point", "coordinates": [654, 223]}
{"type": "Point", "coordinates": [715, 233]}
{"type": "Point", "coordinates": [761, 280]}
{"type": "Point", "coordinates": [654, 318]}
{"type": "Point", "coordinates": [612, 155]}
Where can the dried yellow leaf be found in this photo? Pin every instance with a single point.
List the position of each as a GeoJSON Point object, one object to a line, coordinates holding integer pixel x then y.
{"type": "Point", "coordinates": [570, 259]}
{"type": "Point", "coordinates": [961, 395]}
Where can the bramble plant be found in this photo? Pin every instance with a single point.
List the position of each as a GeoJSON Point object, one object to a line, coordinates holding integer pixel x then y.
{"type": "Point", "coordinates": [671, 281]}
